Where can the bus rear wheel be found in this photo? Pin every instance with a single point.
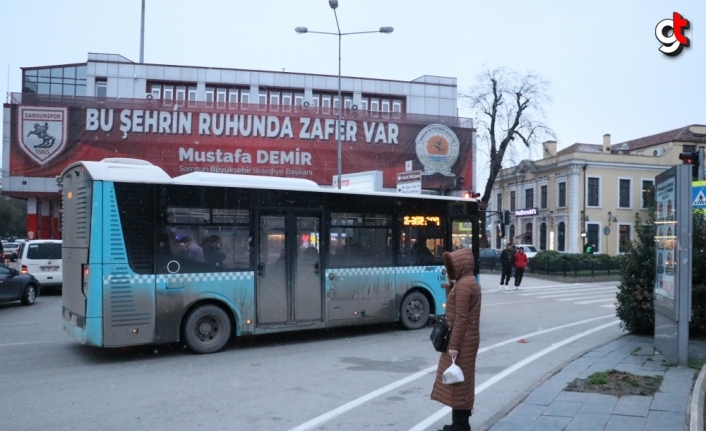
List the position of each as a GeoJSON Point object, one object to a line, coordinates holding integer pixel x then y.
{"type": "Point", "coordinates": [207, 329]}
{"type": "Point", "coordinates": [414, 311]}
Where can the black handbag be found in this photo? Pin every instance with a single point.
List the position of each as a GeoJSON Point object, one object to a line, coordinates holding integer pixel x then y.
{"type": "Point", "coordinates": [441, 334]}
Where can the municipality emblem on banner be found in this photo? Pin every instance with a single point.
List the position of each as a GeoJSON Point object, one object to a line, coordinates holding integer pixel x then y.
{"type": "Point", "coordinates": [437, 148]}
{"type": "Point", "coordinates": [42, 132]}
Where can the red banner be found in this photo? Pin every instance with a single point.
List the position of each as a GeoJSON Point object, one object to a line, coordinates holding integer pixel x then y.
{"type": "Point", "coordinates": [287, 141]}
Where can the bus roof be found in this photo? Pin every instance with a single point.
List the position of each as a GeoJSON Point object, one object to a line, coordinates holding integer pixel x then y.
{"type": "Point", "coordinates": [141, 171]}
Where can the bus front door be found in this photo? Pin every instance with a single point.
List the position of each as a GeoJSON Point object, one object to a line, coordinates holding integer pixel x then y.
{"type": "Point", "coordinates": [289, 283]}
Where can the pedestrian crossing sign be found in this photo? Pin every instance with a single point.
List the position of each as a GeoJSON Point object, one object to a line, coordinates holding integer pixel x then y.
{"type": "Point", "coordinates": [698, 194]}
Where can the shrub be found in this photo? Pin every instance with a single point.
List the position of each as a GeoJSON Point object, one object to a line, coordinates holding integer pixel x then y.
{"type": "Point", "coordinates": [635, 292]}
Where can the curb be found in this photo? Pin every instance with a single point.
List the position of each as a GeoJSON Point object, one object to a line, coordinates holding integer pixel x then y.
{"type": "Point", "coordinates": [696, 422]}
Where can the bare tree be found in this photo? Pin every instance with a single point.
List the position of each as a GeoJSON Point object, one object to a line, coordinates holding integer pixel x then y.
{"type": "Point", "coordinates": [508, 106]}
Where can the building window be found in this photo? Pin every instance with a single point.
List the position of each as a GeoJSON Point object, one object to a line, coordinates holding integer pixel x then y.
{"type": "Point", "coordinates": [561, 237]}
{"type": "Point", "coordinates": [363, 104]}
{"type": "Point", "coordinates": [648, 193]}
{"type": "Point", "coordinates": [262, 97]}
{"type": "Point", "coordinates": [325, 101]}
{"type": "Point", "coordinates": [624, 191]}
{"type": "Point", "coordinates": [221, 95]}
{"type": "Point", "coordinates": [528, 234]}
{"type": "Point", "coordinates": [244, 97]}
{"type": "Point", "coordinates": [529, 198]}
{"type": "Point", "coordinates": [181, 93]}
{"type": "Point", "coordinates": [592, 236]}
{"type": "Point", "coordinates": [499, 200]}
{"type": "Point", "coordinates": [156, 91]}
{"type": "Point", "coordinates": [209, 94]}
{"type": "Point", "coordinates": [168, 92]}
{"type": "Point", "coordinates": [385, 106]}
{"type": "Point", "coordinates": [396, 106]}
{"type": "Point", "coordinates": [374, 105]}
{"type": "Point", "coordinates": [593, 192]}
{"type": "Point", "coordinates": [347, 102]}
{"type": "Point", "coordinates": [543, 196]}
{"type": "Point", "coordinates": [233, 95]}
{"type": "Point", "coordinates": [192, 94]}
{"type": "Point", "coordinates": [287, 99]}
{"type": "Point", "coordinates": [69, 80]}
{"type": "Point", "coordinates": [562, 194]}
{"type": "Point", "coordinates": [298, 99]}
{"type": "Point", "coordinates": [624, 238]}
{"type": "Point", "coordinates": [543, 236]}
{"type": "Point", "coordinates": [512, 200]}
{"type": "Point", "coordinates": [102, 88]}
{"type": "Point", "coordinates": [274, 98]}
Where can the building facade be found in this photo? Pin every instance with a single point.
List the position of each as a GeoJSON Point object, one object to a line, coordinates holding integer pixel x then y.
{"type": "Point", "coordinates": [186, 119]}
{"type": "Point", "coordinates": [586, 194]}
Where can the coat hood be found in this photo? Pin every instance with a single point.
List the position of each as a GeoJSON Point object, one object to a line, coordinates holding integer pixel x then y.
{"type": "Point", "coordinates": [459, 263]}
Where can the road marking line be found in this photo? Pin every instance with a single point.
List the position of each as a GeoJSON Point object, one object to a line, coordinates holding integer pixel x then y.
{"type": "Point", "coordinates": [311, 424]}
{"type": "Point", "coordinates": [581, 298]}
{"type": "Point", "coordinates": [551, 294]}
{"type": "Point", "coordinates": [594, 301]}
{"type": "Point", "coordinates": [505, 303]}
{"type": "Point", "coordinates": [496, 378]}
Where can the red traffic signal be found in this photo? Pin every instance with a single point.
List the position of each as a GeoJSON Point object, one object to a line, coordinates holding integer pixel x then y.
{"type": "Point", "coordinates": [689, 157]}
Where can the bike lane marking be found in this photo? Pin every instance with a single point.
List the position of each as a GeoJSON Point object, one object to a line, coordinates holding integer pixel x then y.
{"type": "Point", "coordinates": [421, 426]}
{"type": "Point", "coordinates": [311, 424]}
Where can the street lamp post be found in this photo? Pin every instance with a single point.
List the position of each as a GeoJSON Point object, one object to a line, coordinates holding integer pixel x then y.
{"type": "Point", "coordinates": [302, 30]}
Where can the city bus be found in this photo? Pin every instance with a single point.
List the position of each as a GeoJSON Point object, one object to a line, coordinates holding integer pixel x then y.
{"type": "Point", "coordinates": [202, 257]}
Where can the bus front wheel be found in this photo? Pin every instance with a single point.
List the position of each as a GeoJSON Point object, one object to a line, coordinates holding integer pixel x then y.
{"type": "Point", "coordinates": [207, 329]}
{"type": "Point", "coordinates": [414, 311]}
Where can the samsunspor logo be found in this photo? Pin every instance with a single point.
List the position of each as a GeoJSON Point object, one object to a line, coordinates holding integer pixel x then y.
{"type": "Point", "coordinates": [670, 32]}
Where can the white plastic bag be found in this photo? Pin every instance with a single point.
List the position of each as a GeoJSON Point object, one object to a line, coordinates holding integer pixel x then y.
{"type": "Point", "coordinates": [453, 374]}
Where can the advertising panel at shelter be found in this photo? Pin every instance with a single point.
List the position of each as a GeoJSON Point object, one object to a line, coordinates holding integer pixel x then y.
{"type": "Point", "coordinates": [285, 141]}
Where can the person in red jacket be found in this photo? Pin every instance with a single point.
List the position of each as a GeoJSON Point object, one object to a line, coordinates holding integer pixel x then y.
{"type": "Point", "coordinates": [520, 264]}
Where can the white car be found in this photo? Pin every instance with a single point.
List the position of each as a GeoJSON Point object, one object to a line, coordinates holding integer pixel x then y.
{"type": "Point", "coordinates": [530, 250]}
{"type": "Point", "coordinates": [42, 259]}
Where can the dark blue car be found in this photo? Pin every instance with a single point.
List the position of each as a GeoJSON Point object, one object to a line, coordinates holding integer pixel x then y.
{"type": "Point", "coordinates": [15, 286]}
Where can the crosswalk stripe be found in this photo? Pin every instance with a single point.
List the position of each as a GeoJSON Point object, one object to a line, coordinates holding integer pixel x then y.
{"type": "Point", "coordinates": [550, 294]}
{"type": "Point", "coordinates": [594, 301]}
{"type": "Point", "coordinates": [581, 298]}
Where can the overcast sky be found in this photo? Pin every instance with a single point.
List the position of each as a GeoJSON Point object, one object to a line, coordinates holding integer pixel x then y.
{"type": "Point", "coordinates": [601, 56]}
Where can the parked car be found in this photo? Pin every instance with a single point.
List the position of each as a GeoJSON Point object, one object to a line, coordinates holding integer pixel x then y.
{"type": "Point", "coordinates": [489, 258]}
{"type": "Point", "coordinates": [15, 286]}
{"type": "Point", "coordinates": [529, 249]}
{"type": "Point", "coordinates": [42, 259]}
{"type": "Point", "coordinates": [10, 251]}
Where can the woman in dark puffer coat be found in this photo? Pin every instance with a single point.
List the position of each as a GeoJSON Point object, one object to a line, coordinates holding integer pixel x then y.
{"type": "Point", "coordinates": [463, 300]}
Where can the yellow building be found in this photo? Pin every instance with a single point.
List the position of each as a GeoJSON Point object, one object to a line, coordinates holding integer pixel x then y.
{"type": "Point", "coordinates": [586, 194]}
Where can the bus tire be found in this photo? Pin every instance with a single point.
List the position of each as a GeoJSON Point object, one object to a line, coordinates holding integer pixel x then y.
{"type": "Point", "coordinates": [207, 329]}
{"type": "Point", "coordinates": [414, 310]}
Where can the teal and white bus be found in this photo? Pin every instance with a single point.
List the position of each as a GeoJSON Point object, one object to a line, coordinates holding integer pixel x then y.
{"type": "Point", "coordinates": [202, 257]}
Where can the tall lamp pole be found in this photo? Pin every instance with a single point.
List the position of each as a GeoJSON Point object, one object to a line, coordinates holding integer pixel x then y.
{"type": "Point", "coordinates": [302, 30]}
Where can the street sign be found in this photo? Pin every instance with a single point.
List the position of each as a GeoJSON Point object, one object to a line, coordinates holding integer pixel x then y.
{"type": "Point", "coordinates": [409, 183]}
{"type": "Point", "coordinates": [698, 194]}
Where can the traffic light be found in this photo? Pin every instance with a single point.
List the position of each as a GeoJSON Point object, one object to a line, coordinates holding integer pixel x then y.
{"type": "Point", "coordinates": [692, 158]}
{"type": "Point", "coordinates": [506, 217]}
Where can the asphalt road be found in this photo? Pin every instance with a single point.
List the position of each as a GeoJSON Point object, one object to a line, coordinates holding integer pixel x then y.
{"type": "Point", "coordinates": [374, 378]}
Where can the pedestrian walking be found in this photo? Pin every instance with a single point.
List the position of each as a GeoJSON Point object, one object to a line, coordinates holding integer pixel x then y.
{"type": "Point", "coordinates": [520, 264]}
{"type": "Point", "coordinates": [463, 301]}
{"type": "Point", "coordinates": [507, 263]}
